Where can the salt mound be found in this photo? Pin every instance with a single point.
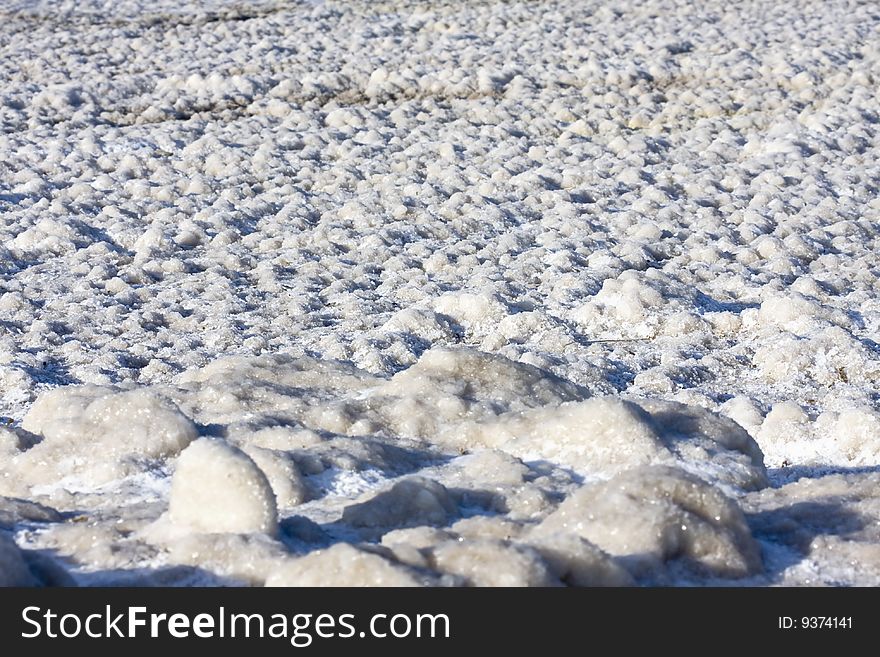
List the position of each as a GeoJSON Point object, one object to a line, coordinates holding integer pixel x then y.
{"type": "Point", "coordinates": [413, 501]}
{"type": "Point", "coordinates": [475, 430]}
{"type": "Point", "coordinates": [653, 515]}
{"type": "Point", "coordinates": [246, 558]}
{"type": "Point", "coordinates": [218, 488]}
{"type": "Point", "coordinates": [709, 444]}
{"type": "Point", "coordinates": [606, 435]}
{"type": "Point", "coordinates": [849, 437]}
{"type": "Point", "coordinates": [343, 565]}
{"type": "Point", "coordinates": [288, 483]}
{"type": "Point", "coordinates": [14, 570]}
{"type": "Point", "coordinates": [457, 399]}
{"type": "Point", "coordinates": [488, 526]}
{"type": "Point", "coordinates": [490, 562]}
{"type": "Point", "coordinates": [232, 386]}
{"type": "Point", "coordinates": [409, 546]}
{"type": "Point", "coordinates": [856, 433]}
{"type": "Point", "coordinates": [445, 385]}
{"type": "Point", "coordinates": [601, 432]}
{"type": "Point", "coordinates": [99, 433]}
{"type": "Point", "coordinates": [745, 412]}
{"type": "Point", "coordinates": [492, 466]}
{"type": "Point", "coordinates": [492, 551]}
{"type": "Point", "coordinates": [457, 385]}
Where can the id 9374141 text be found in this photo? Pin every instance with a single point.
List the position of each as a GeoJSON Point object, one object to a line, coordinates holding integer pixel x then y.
{"type": "Point", "coordinates": [815, 623]}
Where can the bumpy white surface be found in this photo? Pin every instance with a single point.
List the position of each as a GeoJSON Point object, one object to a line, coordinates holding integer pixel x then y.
{"type": "Point", "coordinates": [430, 276]}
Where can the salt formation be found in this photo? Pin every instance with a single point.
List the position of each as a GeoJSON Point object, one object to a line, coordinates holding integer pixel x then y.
{"type": "Point", "coordinates": [648, 516]}
{"type": "Point", "coordinates": [489, 562]}
{"type": "Point", "coordinates": [282, 473]}
{"type": "Point", "coordinates": [297, 429]}
{"type": "Point", "coordinates": [99, 434]}
{"type": "Point", "coordinates": [603, 436]}
{"type": "Point", "coordinates": [393, 291]}
{"type": "Point", "coordinates": [343, 565]}
{"type": "Point", "coordinates": [414, 501]}
{"type": "Point", "coordinates": [447, 386]}
{"type": "Point", "coordinates": [218, 488]}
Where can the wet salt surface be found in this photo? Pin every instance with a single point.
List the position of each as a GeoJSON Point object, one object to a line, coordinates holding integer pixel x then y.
{"type": "Point", "coordinates": [439, 293]}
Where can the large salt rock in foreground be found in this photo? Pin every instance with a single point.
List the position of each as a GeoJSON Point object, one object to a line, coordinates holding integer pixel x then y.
{"type": "Point", "coordinates": [99, 434]}
{"type": "Point", "coordinates": [654, 515]}
{"type": "Point", "coordinates": [217, 488]}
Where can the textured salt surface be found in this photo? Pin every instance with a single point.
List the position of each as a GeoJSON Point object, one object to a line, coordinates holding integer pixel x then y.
{"type": "Point", "coordinates": [439, 293]}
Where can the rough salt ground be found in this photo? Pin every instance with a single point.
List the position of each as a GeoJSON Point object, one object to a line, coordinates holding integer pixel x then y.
{"type": "Point", "coordinates": [665, 201]}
